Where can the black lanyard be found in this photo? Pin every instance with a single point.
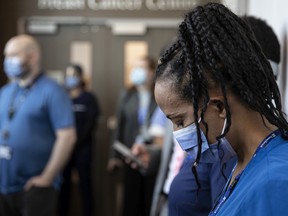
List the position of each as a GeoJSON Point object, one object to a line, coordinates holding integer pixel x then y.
{"type": "Point", "coordinates": [16, 102]}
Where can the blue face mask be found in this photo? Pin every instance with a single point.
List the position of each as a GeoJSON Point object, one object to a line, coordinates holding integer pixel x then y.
{"type": "Point", "coordinates": [187, 139]}
{"type": "Point", "coordinates": [138, 76]}
{"type": "Point", "coordinates": [13, 67]}
{"type": "Point", "coordinates": [72, 82]}
{"type": "Point", "coordinates": [223, 151]}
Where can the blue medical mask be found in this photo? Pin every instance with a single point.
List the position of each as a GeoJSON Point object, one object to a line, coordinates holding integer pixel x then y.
{"type": "Point", "coordinates": [187, 139]}
{"type": "Point", "coordinates": [224, 151]}
{"type": "Point", "coordinates": [13, 67]}
{"type": "Point", "coordinates": [138, 76]}
{"type": "Point", "coordinates": [72, 82]}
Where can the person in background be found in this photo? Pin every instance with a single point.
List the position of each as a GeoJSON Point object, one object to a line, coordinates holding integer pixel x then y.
{"type": "Point", "coordinates": [86, 111]}
{"type": "Point", "coordinates": [135, 110]}
{"type": "Point", "coordinates": [267, 40]}
{"type": "Point", "coordinates": [227, 95]}
{"type": "Point", "coordinates": [37, 133]}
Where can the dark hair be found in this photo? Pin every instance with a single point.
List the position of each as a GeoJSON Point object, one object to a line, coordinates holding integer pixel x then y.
{"type": "Point", "coordinates": [79, 71]}
{"type": "Point", "coordinates": [151, 62]}
{"type": "Point", "coordinates": [216, 48]}
{"type": "Point", "coordinates": [266, 37]}
{"type": "Point", "coordinates": [77, 68]}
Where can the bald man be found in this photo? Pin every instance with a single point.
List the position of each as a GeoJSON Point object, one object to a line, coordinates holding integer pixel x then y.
{"type": "Point", "coordinates": [36, 133]}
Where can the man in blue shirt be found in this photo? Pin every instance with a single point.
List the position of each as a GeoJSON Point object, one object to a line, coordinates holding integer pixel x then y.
{"type": "Point", "coordinates": [36, 133]}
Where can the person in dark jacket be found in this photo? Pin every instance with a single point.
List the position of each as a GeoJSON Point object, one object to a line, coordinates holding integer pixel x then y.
{"type": "Point", "coordinates": [134, 113]}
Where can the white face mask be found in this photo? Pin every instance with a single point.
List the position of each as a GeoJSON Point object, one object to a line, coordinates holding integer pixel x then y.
{"type": "Point", "coordinates": [188, 140]}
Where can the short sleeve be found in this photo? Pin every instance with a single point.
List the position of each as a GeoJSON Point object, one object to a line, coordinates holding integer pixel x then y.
{"type": "Point", "coordinates": [158, 123]}
{"type": "Point", "coordinates": [60, 108]}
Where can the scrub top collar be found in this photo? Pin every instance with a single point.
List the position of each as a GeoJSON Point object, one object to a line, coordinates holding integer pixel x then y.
{"type": "Point", "coordinates": [229, 189]}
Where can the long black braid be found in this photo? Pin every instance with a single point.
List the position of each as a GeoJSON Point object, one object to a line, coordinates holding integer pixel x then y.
{"type": "Point", "coordinates": [216, 48]}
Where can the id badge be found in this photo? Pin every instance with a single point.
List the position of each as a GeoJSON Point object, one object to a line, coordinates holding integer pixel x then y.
{"type": "Point", "coordinates": [5, 152]}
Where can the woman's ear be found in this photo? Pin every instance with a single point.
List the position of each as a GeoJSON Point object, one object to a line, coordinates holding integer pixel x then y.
{"type": "Point", "coordinates": [218, 103]}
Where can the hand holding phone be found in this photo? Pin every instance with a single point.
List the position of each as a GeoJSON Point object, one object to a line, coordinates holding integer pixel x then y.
{"type": "Point", "coordinates": [127, 153]}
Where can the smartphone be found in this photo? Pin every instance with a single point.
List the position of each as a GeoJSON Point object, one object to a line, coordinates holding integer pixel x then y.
{"type": "Point", "coordinates": [126, 152]}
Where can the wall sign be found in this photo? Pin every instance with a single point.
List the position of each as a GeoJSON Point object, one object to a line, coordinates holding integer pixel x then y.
{"type": "Point", "coordinates": [152, 5]}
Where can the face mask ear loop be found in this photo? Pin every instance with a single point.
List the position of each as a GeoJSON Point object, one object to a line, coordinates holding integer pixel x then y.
{"type": "Point", "coordinates": [222, 132]}
{"type": "Point", "coordinates": [199, 120]}
{"type": "Point", "coordinates": [224, 126]}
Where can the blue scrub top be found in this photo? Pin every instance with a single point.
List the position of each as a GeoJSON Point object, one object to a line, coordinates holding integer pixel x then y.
{"type": "Point", "coordinates": [43, 109]}
{"type": "Point", "coordinates": [183, 199]}
{"type": "Point", "coordinates": [262, 189]}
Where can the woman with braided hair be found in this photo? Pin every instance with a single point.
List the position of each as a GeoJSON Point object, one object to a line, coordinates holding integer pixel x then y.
{"type": "Point", "coordinates": [217, 87]}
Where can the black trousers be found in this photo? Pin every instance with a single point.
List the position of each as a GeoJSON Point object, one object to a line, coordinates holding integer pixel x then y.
{"type": "Point", "coordinates": [37, 201]}
{"type": "Point", "coordinates": [138, 193]}
{"type": "Point", "coordinates": [81, 161]}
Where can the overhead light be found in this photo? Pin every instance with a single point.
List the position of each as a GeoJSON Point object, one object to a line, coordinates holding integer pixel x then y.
{"type": "Point", "coordinates": [42, 27]}
{"type": "Point", "coordinates": [123, 28]}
